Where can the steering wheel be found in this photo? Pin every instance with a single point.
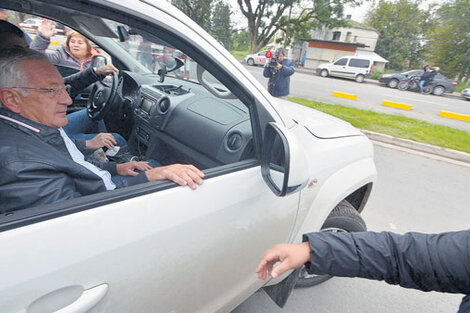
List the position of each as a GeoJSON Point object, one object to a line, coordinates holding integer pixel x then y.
{"type": "Point", "coordinates": [102, 93]}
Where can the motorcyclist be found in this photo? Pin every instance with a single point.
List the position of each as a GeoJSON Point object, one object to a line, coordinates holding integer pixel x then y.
{"type": "Point", "coordinates": [428, 76]}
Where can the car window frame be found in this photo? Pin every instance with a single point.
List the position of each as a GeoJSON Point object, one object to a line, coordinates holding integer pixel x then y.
{"type": "Point", "coordinates": [345, 62]}
{"type": "Point", "coordinates": [258, 118]}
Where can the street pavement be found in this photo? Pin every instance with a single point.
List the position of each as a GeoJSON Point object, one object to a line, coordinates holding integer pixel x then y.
{"type": "Point", "coordinates": [370, 96]}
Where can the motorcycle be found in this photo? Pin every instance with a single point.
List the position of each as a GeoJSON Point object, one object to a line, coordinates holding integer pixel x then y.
{"type": "Point", "coordinates": [412, 83]}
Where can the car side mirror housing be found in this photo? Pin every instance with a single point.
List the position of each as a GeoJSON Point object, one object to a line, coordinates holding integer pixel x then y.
{"type": "Point", "coordinates": [284, 165]}
{"type": "Point", "coordinates": [123, 34]}
{"type": "Point", "coordinates": [98, 61]}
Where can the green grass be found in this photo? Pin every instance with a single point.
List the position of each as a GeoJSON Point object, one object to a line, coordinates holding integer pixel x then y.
{"type": "Point", "coordinates": [239, 55]}
{"type": "Point", "coordinates": [461, 86]}
{"type": "Point", "coordinates": [396, 126]}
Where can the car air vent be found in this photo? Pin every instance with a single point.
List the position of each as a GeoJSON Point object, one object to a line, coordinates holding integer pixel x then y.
{"type": "Point", "coordinates": [164, 105]}
{"type": "Point", "coordinates": [234, 141]}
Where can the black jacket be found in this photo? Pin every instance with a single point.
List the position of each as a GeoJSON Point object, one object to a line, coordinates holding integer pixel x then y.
{"type": "Point", "coordinates": [279, 81]}
{"type": "Point", "coordinates": [428, 76]}
{"type": "Point", "coordinates": [36, 167]}
{"type": "Point", "coordinates": [433, 262]}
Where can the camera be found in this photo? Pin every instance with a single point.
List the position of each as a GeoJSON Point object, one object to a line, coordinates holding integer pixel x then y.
{"type": "Point", "coordinates": [273, 62]}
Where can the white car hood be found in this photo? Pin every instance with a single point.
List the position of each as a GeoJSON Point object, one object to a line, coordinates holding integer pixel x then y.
{"type": "Point", "coordinates": [318, 123]}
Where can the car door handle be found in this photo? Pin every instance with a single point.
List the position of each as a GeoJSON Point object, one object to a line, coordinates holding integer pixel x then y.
{"type": "Point", "coordinates": [87, 300]}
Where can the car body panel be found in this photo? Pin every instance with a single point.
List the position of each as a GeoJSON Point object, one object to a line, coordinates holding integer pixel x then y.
{"type": "Point", "coordinates": [466, 93]}
{"type": "Point", "coordinates": [258, 58]}
{"type": "Point", "coordinates": [345, 69]}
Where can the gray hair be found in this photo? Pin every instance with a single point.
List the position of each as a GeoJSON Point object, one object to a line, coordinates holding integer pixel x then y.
{"type": "Point", "coordinates": [281, 50]}
{"type": "Point", "coordinates": [11, 71]}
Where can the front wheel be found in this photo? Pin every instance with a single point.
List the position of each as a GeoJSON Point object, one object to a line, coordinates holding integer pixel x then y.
{"type": "Point", "coordinates": [393, 83]}
{"type": "Point", "coordinates": [250, 62]}
{"type": "Point", "coordinates": [324, 73]}
{"type": "Point", "coordinates": [343, 218]}
{"type": "Point", "coordinates": [403, 85]}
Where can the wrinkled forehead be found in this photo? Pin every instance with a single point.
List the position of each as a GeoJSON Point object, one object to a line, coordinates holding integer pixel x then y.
{"type": "Point", "coordinates": [41, 73]}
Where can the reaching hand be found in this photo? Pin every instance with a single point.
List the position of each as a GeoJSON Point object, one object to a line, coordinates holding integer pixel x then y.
{"type": "Point", "coordinates": [290, 255]}
{"type": "Point", "coordinates": [101, 140]}
{"type": "Point", "coordinates": [106, 69]}
{"type": "Point", "coordinates": [128, 169]}
{"type": "Point", "coordinates": [181, 174]}
{"type": "Point", "coordinates": [47, 28]}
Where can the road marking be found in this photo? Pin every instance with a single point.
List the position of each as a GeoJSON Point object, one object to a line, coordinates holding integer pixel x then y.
{"type": "Point", "coordinates": [397, 105]}
{"type": "Point", "coordinates": [345, 95]}
{"type": "Point", "coordinates": [455, 116]}
{"type": "Point", "coordinates": [421, 153]}
{"type": "Point", "coordinates": [51, 43]}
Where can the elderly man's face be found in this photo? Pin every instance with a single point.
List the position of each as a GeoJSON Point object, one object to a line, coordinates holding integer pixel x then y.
{"type": "Point", "coordinates": [280, 57]}
{"type": "Point", "coordinates": [39, 105]}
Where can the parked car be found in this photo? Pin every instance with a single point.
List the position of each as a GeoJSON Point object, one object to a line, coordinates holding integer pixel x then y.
{"type": "Point", "coordinates": [466, 93]}
{"type": "Point", "coordinates": [441, 83]}
{"type": "Point", "coordinates": [31, 24]}
{"type": "Point", "coordinates": [256, 58]}
{"type": "Point", "coordinates": [60, 29]}
{"type": "Point", "coordinates": [354, 67]}
{"type": "Point", "coordinates": [274, 170]}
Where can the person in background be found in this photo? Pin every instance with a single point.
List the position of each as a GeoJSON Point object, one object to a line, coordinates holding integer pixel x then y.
{"type": "Point", "coordinates": [279, 73]}
{"type": "Point", "coordinates": [427, 262]}
{"type": "Point", "coordinates": [428, 76]}
{"type": "Point", "coordinates": [78, 53]}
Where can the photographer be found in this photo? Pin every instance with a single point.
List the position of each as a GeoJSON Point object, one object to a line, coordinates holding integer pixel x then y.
{"type": "Point", "coordinates": [279, 69]}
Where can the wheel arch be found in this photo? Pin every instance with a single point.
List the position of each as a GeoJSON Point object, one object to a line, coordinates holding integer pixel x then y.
{"type": "Point", "coordinates": [339, 187]}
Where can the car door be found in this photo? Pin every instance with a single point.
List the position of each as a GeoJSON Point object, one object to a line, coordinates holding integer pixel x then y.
{"type": "Point", "coordinates": [260, 58]}
{"type": "Point", "coordinates": [151, 247]}
{"type": "Point", "coordinates": [338, 68]}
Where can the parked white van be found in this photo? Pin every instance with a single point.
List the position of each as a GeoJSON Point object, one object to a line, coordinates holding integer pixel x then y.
{"type": "Point", "coordinates": [352, 66]}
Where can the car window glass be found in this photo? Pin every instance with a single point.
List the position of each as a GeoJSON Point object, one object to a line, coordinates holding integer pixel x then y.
{"type": "Point", "coordinates": [170, 108]}
{"type": "Point", "coordinates": [341, 62]}
{"type": "Point", "coordinates": [359, 63]}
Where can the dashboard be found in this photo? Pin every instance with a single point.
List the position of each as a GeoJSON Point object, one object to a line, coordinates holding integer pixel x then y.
{"type": "Point", "coordinates": [180, 121]}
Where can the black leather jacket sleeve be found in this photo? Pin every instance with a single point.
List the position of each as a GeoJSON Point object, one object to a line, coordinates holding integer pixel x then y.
{"type": "Point", "coordinates": [439, 262]}
{"type": "Point", "coordinates": [81, 80]}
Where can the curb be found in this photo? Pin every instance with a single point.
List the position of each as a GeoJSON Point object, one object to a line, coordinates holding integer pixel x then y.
{"type": "Point", "coordinates": [418, 146]}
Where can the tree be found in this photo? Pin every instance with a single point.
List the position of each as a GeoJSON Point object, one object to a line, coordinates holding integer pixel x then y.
{"type": "Point", "coordinates": [289, 16]}
{"type": "Point", "coordinates": [198, 10]}
{"type": "Point", "coordinates": [240, 40]}
{"type": "Point", "coordinates": [449, 41]}
{"type": "Point", "coordinates": [220, 24]}
{"type": "Point", "coordinates": [401, 26]}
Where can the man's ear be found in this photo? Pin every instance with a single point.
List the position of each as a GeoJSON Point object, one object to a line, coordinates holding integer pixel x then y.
{"type": "Point", "coordinates": [10, 100]}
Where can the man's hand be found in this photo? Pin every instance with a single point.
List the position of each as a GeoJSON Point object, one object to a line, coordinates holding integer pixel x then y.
{"type": "Point", "coordinates": [47, 28]}
{"type": "Point", "coordinates": [128, 169]}
{"type": "Point", "coordinates": [278, 66]}
{"type": "Point", "coordinates": [290, 255]}
{"type": "Point", "coordinates": [106, 69]}
{"type": "Point", "coordinates": [101, 140]}
{"type": "Point", "coordinates": [181, 174]}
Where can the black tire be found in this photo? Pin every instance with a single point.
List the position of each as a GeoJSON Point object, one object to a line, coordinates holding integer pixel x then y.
{"type": "Point", "coordinates": [324, 73]}
{"type": "Point", "coordinates": [359, 78]}
{"type": "Point", "coordinates": [403, 85]}
{"type": "Point", "coordinates": [343, 218]}
{"type": "Point", "coordinates": [393, 83]}
{"type": "Point", "coordinates": [438, 90]}
{"type": "Point", "coordinates": [427, 90]}
{"type": "Point", "coordinates": [250, 62]}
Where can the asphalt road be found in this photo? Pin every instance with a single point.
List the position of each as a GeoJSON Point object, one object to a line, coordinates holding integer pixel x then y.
{"type": "Point", "coordinates": [415, 192]}
{"type": "Point", "coordinates": [370, 96]}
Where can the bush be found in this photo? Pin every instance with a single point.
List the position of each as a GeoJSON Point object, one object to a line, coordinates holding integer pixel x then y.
{"type": "Point", "coordinates": [376, 74]}
{"type": "Point", "coordinates": [461, 86]}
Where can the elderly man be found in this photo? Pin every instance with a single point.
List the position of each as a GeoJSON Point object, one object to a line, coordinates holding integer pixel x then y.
{"type": "Point", "coordinates": [39, 163]}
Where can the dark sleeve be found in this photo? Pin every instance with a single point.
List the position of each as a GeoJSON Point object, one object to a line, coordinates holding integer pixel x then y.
{"type": "Point", "coordinates": [287, 69]}
{"type": "Point", "coordinates": [41, 43]}
{"type": "Point", "coordinates": [267, 72]}
{"type": "Point", "coordinates": [28, 184]}
{"type": "Point", "coordinates": [81, 80]}
{"type": "Point", "coordinates": [439, 262]}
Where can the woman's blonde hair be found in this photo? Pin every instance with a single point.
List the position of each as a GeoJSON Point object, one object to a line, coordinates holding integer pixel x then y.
{"type": "Point", "coordinates": [74, 33]}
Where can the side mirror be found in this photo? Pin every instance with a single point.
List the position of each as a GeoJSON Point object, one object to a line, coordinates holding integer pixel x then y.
{"type": "Point", "coordinates": [98, 61]}
{"type": "Point", "coordinates": [284, 165]}
{"type": "Point", "coordinates": [123, 34]}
